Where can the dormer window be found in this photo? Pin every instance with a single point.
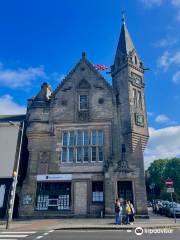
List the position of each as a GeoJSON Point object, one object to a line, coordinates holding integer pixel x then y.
{"type": "Point", "coordinates": [83, 102]}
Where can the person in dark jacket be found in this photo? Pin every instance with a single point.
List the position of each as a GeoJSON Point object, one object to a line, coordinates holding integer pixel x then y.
{"type": "Point", "coordinates": [118, 212]}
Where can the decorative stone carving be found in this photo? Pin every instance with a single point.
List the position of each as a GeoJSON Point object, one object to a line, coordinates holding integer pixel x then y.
{"type": "Point", "coordinates": [83, 84]}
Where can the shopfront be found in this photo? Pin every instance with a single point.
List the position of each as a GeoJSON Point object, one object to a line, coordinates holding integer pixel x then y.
{"type": "Point", "coordinates": [53, 192]}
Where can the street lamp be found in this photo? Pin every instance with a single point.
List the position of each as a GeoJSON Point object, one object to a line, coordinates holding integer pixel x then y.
{"type": "Point", "coordinates": [12, 190]}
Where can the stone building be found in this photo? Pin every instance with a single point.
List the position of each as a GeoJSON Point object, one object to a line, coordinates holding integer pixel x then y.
{"type": "Point", "coordinates": [86, 140]}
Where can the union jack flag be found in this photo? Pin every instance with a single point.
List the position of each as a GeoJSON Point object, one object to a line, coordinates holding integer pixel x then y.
{"type": "Point", "coordinates": [100, 67]}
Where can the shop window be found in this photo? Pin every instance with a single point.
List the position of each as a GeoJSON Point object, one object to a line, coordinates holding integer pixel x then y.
{"type": "Point", "coordinates": [83, 102]}
{"type": "Point", "coordinates": [53, 196]}
{"type": "Point", "coordinates": [97, 192]}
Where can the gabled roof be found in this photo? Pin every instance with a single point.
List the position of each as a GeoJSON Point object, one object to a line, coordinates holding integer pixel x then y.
{"type": "Point", "coordinates": [92, 68]}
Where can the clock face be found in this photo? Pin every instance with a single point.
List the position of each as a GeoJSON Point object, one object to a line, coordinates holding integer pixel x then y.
{"type": "Point", "coordinates": [139, 119]}
{"type": "Point", "coordinates": [136, 78]}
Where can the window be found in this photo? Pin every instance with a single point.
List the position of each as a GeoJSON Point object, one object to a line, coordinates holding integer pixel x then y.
{"type": "Point", "coordinates": [64, 154]}
{"type": "Point", "coordinates": [97, 192]}
{"type": "Point", "coordinates": [134, 97]}
{"type": "Point", "coordinates": [83, 102]}
{"type": "Point", "coordinates": [84, 145]}
{"type": "Point", "coordinates": [135, 60]}
{"type": "Point", "coordinates": [100, 137]}
{"type": "Point", "coordinates": [85, 149]}
{"type": "Point", "coordinates": [71, 154]}
{"type": "Point", "coordinates": [100, 153]}
{"type": "Point", "coordinates": [65, 138]}
{"type": "Point", "coordinates": [71, 138]}
{"type": "Point", "coordinates": [79, 154]}
{"type": "Point", "coordinates": [139, 100]}
{"type": "Point", "coordinates": [86, 141]}
{"type": "Point", "coordinates": [93, 137]}
{"type": "Point", "coordinates": [80, 138]}
{"type": "Point", "coordinates": [93, 158]}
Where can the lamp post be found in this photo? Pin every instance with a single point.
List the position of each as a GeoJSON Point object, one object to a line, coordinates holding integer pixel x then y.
{"type": "Point", "coordinates": [12, 191]}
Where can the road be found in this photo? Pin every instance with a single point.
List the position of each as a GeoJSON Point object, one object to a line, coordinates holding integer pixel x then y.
{"type": "Point", "coordinates": [87, 235]}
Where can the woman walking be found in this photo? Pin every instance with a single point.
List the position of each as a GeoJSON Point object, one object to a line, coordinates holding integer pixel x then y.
{"type": "Point", "coordinates": [118, 212]}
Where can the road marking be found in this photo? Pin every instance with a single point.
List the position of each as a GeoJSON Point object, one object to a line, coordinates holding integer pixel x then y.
{"type": "Point", "coordinates": [39, 237]}
{"type": "Point", "coordinates": [129, 230]}
{"type": "Point", "coordinates": [51, 231]}
{"type": "Point", "coordinates": [12, 236]}
{"type": "Point", "coordinates": [17, 232]}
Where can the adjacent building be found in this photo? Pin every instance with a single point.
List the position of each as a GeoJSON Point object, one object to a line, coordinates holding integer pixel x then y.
{"type": "Point", "coordinates": [86, 140]}
{"type": "Point", "coordinates": [10, 153]}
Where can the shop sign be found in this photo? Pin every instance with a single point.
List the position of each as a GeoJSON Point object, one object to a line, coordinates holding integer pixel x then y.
{"type": "Point", "coordinates": [54, 177]}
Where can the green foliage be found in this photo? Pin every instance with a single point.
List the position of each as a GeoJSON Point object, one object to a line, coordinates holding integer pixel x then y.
{"type": "Point", "coordinates": [158, 172]}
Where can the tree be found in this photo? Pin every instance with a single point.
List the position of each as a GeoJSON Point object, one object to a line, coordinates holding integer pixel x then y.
{"type": "Point", "coordinates": [158, 172]}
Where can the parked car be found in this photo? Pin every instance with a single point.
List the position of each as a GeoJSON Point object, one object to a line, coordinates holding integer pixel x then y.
{"type": "Point", "coordinates": [170, 210]}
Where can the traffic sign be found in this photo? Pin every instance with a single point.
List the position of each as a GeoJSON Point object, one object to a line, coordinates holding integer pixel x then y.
{"type": "Point", "coordinates": [170, 190]}
{"type": "Point", "coordinates": [169, 183]}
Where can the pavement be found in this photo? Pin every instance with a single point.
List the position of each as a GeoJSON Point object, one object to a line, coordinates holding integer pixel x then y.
{"type": "Point", "coordinates": [154, 222]}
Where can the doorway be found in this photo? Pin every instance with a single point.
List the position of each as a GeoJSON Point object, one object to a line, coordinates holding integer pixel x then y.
{"type": "Point", "coordinates": [125, 190]}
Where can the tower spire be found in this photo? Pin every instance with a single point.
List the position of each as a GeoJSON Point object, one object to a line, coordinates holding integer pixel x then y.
{"type": "Point", "coordinates": [123, 17]}
{"type": "Point", "coordinates": [125, 45]}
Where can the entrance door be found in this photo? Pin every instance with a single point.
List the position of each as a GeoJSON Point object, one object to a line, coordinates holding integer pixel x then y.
{"type": "Point", "coordinates": [80, 198]}
{"type": "Point", "coordinates": [125, 190]}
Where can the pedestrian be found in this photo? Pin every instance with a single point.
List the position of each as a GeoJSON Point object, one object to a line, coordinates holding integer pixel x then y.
{"type": "Point", "coordinates": [118, 212]}
{"type": "Point", "coordinates": [127, 212]}
{"type": "Point", "coordinates": [131, 217]}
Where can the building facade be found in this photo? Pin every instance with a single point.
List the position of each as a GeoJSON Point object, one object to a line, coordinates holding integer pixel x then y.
{"type": "Point", "coordinates": [86, 140]}
{"type": "Point", "coordinates": [10, 149]}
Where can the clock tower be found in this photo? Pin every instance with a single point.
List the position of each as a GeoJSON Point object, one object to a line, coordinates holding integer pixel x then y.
{"type": "Point", "coordinates": [128, 85]}
{"type": "Point", "coordinates": [131, 130]}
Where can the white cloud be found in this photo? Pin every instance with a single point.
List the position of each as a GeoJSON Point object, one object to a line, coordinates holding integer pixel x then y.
{"type": "Point", "coordinates": [18, 78]}
{"type": "Point", "coordinates": [167, 59]}
{"type": "Point", "coordinates": [176, 77]}
{"type": "Point", "coordinates": [166, 42]}
{"type": "Point", "coordinates": [150, 114]}
{"type": "Point", "coordinates": [163, 143]}
{"type": "Point", "coordinates": [151, 3]}
{"type": "Point", "coordinates": [8, 106]}
{"type": "Point", "coordinates": [162, 118]}
{"type": "Point", "coordinates": [176, 3]}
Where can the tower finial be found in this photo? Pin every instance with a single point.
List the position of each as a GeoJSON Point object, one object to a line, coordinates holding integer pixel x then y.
{"type": "Point", "coordinates": [123, 17]}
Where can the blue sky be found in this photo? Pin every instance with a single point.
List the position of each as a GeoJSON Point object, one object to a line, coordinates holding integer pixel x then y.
{"type": "Point", "coordinates": [41, 40]}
